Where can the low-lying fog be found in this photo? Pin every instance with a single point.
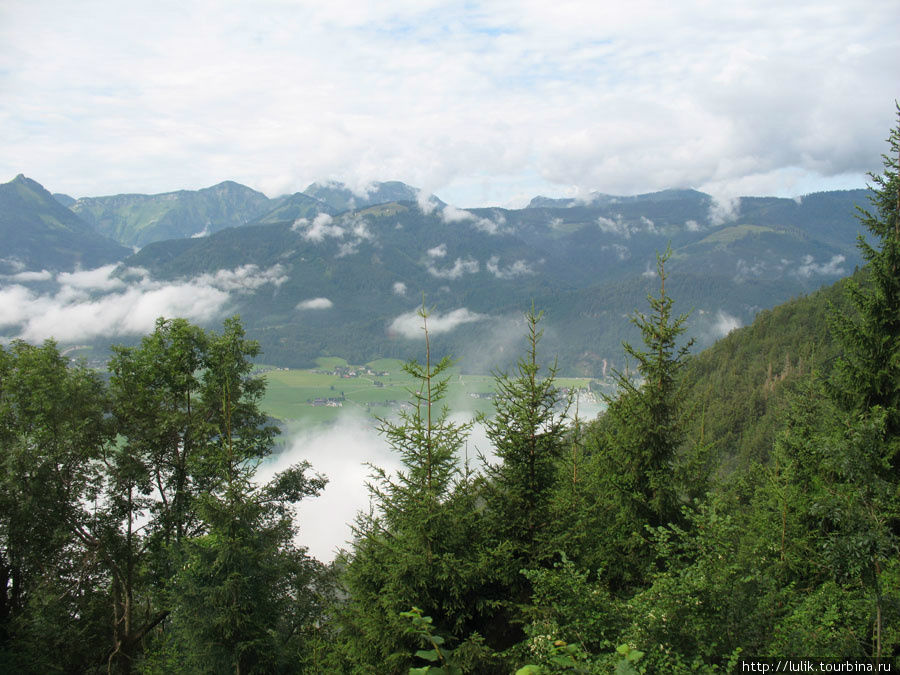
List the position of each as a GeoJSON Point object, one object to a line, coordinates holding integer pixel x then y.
{"type": "Point", "coordinates": [341, 452]}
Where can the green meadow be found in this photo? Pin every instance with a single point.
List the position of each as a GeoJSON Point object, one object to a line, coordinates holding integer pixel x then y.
{"type": "Point", "coordinates": [379, 389]}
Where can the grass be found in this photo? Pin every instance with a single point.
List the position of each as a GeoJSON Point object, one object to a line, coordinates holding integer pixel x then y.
{"type": "Point", "coordinates": [289, 393]}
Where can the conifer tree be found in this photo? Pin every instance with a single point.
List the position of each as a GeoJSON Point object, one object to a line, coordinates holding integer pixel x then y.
{"type": "Point", "coordinates": [408, 549]}
{"type": "Point", "coordinates": [634, 477]}
{"type": "Point", "coordinates": [868, 372]}
{"type": "Point", "coordinates": [646, 419]}
{"type": "Point", "coordinates": [527, 431]}
{"type": "Point", "coordinates": [866, 385]}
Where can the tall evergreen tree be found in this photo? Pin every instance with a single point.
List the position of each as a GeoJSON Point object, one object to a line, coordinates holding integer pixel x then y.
{"type": "Point", "coordinates": [408, 549]}
{"type": "Point", "coordinates": [868, 372]}
{"type": "Point", "coordinates": [527, 431]}
{"type": "Point", "coordinates": [636, 479]}
{"type": "Point", "coordinates": [866, 385]}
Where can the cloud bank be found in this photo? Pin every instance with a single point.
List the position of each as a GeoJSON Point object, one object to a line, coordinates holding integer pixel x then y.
{"type": "Point", "coordinates": [94, 303]}
{"type": "Point", "coordinates": [491, 100]}
{"type": "Point", "coordinates": [315, 303]}
{"type": "Point", "coordinates": [409, 325]}
{"type": "Point", "coordinates": [460, 267]}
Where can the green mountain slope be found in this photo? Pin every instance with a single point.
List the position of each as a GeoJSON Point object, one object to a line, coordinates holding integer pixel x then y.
{"type": "Point", "coordinates": [38, 232]}
{"type": "Point", "coordinates": [137, 220]}
{"type": "Point", "coordinates": [340, 198]}
{"type": "Point", "coordinates": [291, 207]}
{"type": "Point", "coordinates": [587, 267]}
{"type": "Point", "coordinates": [737, 387]}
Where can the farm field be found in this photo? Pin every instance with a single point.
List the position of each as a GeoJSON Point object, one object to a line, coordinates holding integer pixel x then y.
{"type": "Point", "coordinates": [379, 389]}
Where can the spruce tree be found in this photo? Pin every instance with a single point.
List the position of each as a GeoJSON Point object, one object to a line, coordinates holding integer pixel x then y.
{"type": "Point", "coordinates": [410, 548]}
{"type": "Point", "coordinates": [646, 421]}
{"type": "Point", "coordinates": [868, 372]}
{"type": "Point", "coordinates": [866, 385]}
{"type": "Point", "coordinates": [635, 479]}
{"type": "Point", "coordinates": [528, 434]}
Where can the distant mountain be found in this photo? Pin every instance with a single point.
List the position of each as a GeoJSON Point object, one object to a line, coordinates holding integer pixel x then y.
{"type": "Point", "coordinates": [137, 219]}
{"type": "Point", "coordinates": [599, 198]}
{"type": "Point", "coordinates": [37, 232]}
{"type": "Point", "coordinates": [340, 198]}
{"type": "Point", "coordinates": [588, 266]}
{"type": "Point", "coordinates": [292, 207]}
{"type": "Point", "coordinates": [65, 200]}
{"type": "Point", "coordinates": [348, 279]}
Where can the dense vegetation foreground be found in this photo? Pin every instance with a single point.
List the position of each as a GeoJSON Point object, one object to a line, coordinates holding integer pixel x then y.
{"type": "Point", "coordinates": [722, 509]}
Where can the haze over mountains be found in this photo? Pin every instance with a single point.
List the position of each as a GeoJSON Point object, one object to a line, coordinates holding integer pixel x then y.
{"type": "Point", "coordinates": [327, 271]}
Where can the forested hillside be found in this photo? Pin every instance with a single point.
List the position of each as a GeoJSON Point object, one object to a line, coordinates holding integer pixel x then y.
{"type": "Point", "coordinates": [737, 505]}
{"type": "Point", "coordinates": [39, 233]}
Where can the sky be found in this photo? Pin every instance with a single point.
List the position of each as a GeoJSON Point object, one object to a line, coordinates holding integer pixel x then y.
{"type": "Point", "coordinates": [481, 103]}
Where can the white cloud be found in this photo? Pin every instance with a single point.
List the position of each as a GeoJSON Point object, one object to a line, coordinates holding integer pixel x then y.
{"type": "Point", "coordinates": [321, 227]}
{"type": "Point", "coordinates": [460, 267]}
{"type": "Point", "coordinates": [93, 303]}
{"type": "Point", "coordinates": [202, 233]}
{"type": "Point", "coordinates": [451, 214]}
{"type": "Point", "coordinates": [724, 324]}
{"type": "Point", "coordinates": [617, 227]}
{"type": "Point", "coordinates": [99, 279]}
{"type": "Point", "coordinates": [749, 270]}
{"type": "Point", "coordinates": [519, 268]}
{"type": "Point", "coordinates": [348, 248]}
{"type": "Point", "coordinates": [316, 303]}
{"type": "Point", "coordinates": [439, 251]}
{"type": "Point", "coordinates": [832, 268]}
{"type": "Point", "coordinates": [43, 275]}
{"type": "Point", "coordinates": [399, 288]}
{"type": "Point", "coordinates": [244, 279]}
{"type": "Point", "coordinates": [723, 209]}
{"type": "Point", "coordinates": [556, 97]}
{"type": "Point", "coordinates": [426, 202]}
{"type": "Point", "coordinates": [360, 230]}
{"type": "Point", "coordinates": [409, 325]}
{"type": "Point", "coordinates": [692, 226]}
{"type": "Point", "coordinates": [339, 452]}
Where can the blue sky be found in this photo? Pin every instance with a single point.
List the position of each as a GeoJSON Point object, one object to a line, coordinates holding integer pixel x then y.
{"type": "Point", "coordinates": [483, 103]}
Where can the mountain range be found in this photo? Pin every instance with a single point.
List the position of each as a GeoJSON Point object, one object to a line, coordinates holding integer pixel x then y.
{"type": "Point", "coordinates": [343, 272]}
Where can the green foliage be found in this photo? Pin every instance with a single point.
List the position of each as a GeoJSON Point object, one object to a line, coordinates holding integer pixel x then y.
{"type": "Point", "coordinates": [53, 429]}
{"type": "Point", "coordinates": [437, 654]}
{"type": "Point", "coordinates": [868, 373]}
{"type": "Point", "coordinates": [567, 605]}
{"type": "Point", "coordinates": [413, 548]}
{"type": "Point", "coordinates": [528, 435]}
{"type": "Point", "coordinates": [132, 532]}
{"type": "Point", "coordinates": [634, 469]}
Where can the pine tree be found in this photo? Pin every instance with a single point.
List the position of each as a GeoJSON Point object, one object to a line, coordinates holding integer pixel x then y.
{"type": "Point", "coordinates": [528, 434]}
{"type": "Point", "coordinates": [635, 480]}
{"type": "Point", "coordinates": [646, 421]}
{"type": "Point", "coordinates": [409, 549]}
{"type": "Point", "coordinates": [868, 372]}
{"type": "Point", "coordinates": [866, 385]}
